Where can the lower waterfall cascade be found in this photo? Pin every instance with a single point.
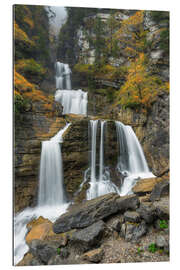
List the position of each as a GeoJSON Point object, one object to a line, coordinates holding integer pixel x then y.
{"type": "Point", "coordinates": [101, 184]}
{"type": "Point", "coordinates": [131, 164]}
{"type": "Point", "coordinates": [51, 196]}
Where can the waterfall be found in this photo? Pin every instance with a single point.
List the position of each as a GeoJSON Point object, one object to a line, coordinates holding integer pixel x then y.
{"type": "Point", "coordinates": [67, 72]}
{"type": "Point", "coordinates": [102, 184]}
{"type": "Point", "coordinates": [59, 67]}
{"type": "Point", "coordinates": [51, 197]}
{"type": "Point", "coordinates": [51, 191]}
{"type": "Point", "coordinates": [73, 101]}
{"type": "Point", "coordinates": [131, 161]}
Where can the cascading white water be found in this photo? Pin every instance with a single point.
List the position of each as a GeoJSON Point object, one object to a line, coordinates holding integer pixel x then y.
{"type": "Point", "coordinates": [131, 161]}
{"type": "Point", "coordinates": [67, 72]}
{"type": "Point", "coordinates": [51, 198]}
{"type": "Point", "coordinates": [59, 67]}
{"type": "Point", "coordinates": [102, 184]}
{"type": "Point", "coordinates": [51, 191]}
{"type": "Point", "coordinates": [73, 101]}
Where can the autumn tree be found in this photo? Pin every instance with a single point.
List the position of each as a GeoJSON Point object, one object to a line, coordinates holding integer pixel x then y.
{"type": "Point", "coordinates": [131, 36]}
{"type": "Point", "coordinates": [140, 88]}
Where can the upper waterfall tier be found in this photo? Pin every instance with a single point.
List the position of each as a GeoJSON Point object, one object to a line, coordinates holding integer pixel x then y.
{"type": "Point", "coordinates": [73, 101]}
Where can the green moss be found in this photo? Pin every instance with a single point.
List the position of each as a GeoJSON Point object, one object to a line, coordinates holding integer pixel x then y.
{"type": "Point", "coordinates": [32, 70]}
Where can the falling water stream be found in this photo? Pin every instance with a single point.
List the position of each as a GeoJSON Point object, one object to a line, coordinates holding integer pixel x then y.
{"type": "Point", "coordinates": [73, 101]}
{"type": "Point", "coordinates": [51, 196]}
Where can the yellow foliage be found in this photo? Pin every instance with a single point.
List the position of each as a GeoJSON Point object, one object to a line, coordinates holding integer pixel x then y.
{"type": "Point", "coordinates": [132, 34]}
{"type": "Point", "coordinates": [21, 84]}
{"type": "Point", "coordinates": [140, 88]}
{"type": "Point", "coordinates": [29, 21]}
{"type": "Point", "coordinates": [20, 35]}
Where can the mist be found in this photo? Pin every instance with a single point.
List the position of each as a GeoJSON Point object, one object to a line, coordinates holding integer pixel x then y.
{"type": "Point", "coordinates": [60, 18]}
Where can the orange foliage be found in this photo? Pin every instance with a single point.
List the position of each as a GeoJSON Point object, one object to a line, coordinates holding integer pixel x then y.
{"type": "Point", "coordinates": [140, 88]}
{"type": "Point", "coordinates": [21, 84]}
{"type": "Point", "coordinates": [132, 34]}
{"type": "Point", "coordinates": [20, 35]}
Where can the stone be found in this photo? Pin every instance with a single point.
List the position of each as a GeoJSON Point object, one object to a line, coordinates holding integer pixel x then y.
{"type": "Point", "coordinates": [159, 190]}
{"type": "Point", "coordinates": [161, 241]}
{"type": "Point", "coordinates": [162, 208]}
{"type": "Point", "coordinates": [129, 231]}
{"type": "Point", "coordinates": [139, 231]}
{"type": "Point", "coordinates": [85, 239]}
{"type": "Point", "coordinates": [144, 186]}
{"type": "Point", "coordinates": [94, 256]}
{"type": "Point", "coordinates": [39, 231]}
{"type": "Point", "coordinates": [132, 216]}
{"type": "Point", "coordinates": [41, 250]}
{"type": "Point", "coordinates": [37, 221]}
{"type": "Point", "coordinates": [91, 211]}
{"type": "Point", "coordinates": [55, 260]}
{"type": "Point", "coordinates": [134, 231]}
{"type": "Point", "coordinates": [29, 260]}
{"type": "Point", "coordinates": [147, 212]}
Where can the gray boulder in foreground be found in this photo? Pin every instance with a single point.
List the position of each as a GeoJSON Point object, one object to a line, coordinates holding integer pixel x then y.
{"type": "Point", "coordinates": [83, 215]}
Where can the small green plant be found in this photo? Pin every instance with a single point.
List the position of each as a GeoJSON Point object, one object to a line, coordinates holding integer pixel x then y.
{"type": "Point", "coordinates": [163, 224]}
{"type": "Point", "coordinates": [152, 248]}
{"type": "Point", "coordinates": [139, 250]}
{"type": "Point", "coordinates": [58, 251]}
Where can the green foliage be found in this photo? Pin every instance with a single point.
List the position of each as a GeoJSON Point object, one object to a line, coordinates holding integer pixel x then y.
{"type": "Point", "coordinates": [58, 251]}
{"type": "Point", "coordinates": [30, 69]}
{"type": "Point", "coordinates": [163, 224]}
{"type": "Point", "coordinates": [140, 250]}
{"type": "Point", "coordinates": [162, 18]}
{"type": "Point", "coordinates": [152, 248]}
{"type": "Point", "coordinates": [20, 104]}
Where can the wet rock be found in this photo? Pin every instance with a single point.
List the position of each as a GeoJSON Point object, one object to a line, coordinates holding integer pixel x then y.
{"type": "Point", "coordinates": [94, 256]}
{"type": "Point", "coordinates": [144, 186]}
{"type": "Point", "coordinates": [91, 211]}
{"type": "Point", "coordinates": [147, 212]}
{"type": "Point", "coordinates": [39, 231]}
{"type": "Point", "coordinates": [85, 239]}
{"type": "Point", "coordinates": [159, 190]}
{"type": "Point", "coordinates": [29, 260]}
{"type": "Point", "coordinates": [132, 216]}
{"type": "Point", "coordinates": [41, 250]}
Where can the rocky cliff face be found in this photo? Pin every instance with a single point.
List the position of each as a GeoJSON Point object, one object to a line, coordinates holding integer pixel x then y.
{"type": "Point", "coordinates": [35, 124]}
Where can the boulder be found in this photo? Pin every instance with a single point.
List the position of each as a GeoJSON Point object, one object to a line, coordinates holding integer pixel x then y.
{"type": "Point", "coordinates": [144, 186]}
{"type": "Point", "coordinates": [89, 237]}
{"type": "Point", "coordinates": [161, 241]}
{"type": "Point", "coordinates": [94, 256]}
{"type": "Point", "coordinates": [134, 231]}
{"type": "Point", "coordinates": [132, 216]}
{"type": "Point", "coordinates": [81, 216]}
{"type": "Point", "coordinates": [39, 231]}
{"type": "Point", "coordinates": [162, 208]}
{"type": "Point", "coordinates": [160, 189]}
{"type": "Point", "coordinates": [41, 250]}
{"type": "Point", "coordinates": [29, 260]}
{"type": "Point", "coordinates": [147, 212]}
